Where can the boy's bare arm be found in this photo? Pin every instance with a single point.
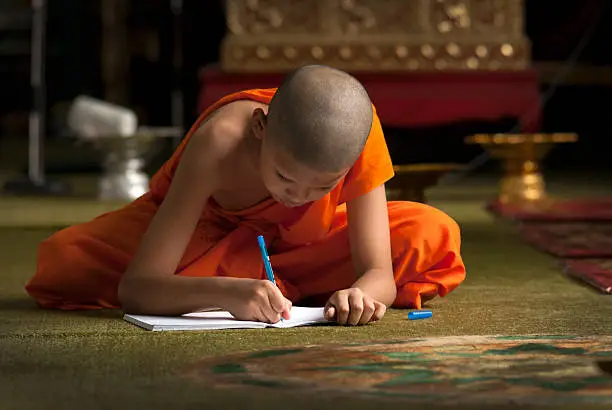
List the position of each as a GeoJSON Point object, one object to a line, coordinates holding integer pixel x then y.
{"type": "Point", "coordinates": [149, 284]}
{"type": "Point", "coordinates": [368, 226]}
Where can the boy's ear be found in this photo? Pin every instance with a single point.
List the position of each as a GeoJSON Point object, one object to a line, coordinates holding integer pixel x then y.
{"type": "Point", "coordinates": [259, 123]}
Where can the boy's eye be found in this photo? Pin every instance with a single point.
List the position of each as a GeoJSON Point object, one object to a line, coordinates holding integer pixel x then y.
{"type": "Point", "coordinates": [281, 176]}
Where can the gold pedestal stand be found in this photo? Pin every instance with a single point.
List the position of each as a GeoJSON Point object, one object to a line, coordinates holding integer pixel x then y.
{"type": "Point", "coordinates": [411, 181]}
{"type": "Point", "coordinates": [521, 154]}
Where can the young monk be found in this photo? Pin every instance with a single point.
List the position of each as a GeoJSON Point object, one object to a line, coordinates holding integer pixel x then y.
{"type": "Point", "coordinates": [305, 166]}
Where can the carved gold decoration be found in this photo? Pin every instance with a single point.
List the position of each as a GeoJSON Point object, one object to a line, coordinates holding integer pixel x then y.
{"type": "Point", "coordinates": [400, 51]}
{"type": "Point", "coordinates": [481, 51]}
{"type": "Point", "coordinates": [428, 51]}
{"type": "Point", "coordinates": [375, 35]}
{"type": "Point", "coordinates": [472, 63]}
{"type": "Point", "coordinates": [522, 183]}
{"type": "Point", "coordinates": [451, 15]}
{"type": "Point", "coordinates": [290, 53]}
{"type": "Point", "coordinates": [453, 50]}
{"type": "Point", "coordinates": [507, 50]}
{"type": "Point", "coordinates": [263, 52]}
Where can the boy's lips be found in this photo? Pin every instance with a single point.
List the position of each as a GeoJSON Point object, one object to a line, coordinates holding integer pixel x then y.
{"type": "Point", "coordinates": [287, 203]}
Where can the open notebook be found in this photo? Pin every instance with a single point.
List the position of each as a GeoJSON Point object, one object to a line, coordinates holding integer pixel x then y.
{"type": "Point", "coordinates": [219, 319]}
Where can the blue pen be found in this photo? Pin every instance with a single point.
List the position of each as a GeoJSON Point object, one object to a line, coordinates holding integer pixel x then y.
{"type": "Point", "coordinates": [266, 259]}
{"type": "Point", "coordinates": [419, 314]}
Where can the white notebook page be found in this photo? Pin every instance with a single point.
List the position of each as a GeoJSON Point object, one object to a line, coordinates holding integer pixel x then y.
{"type": "Point", "coordinates": [218, 319]}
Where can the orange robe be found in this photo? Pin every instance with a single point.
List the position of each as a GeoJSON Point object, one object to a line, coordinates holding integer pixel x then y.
{"type": "Point", "coordinates": [80, 267]}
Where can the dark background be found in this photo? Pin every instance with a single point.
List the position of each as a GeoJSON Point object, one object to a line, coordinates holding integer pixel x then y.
{"type": "Point", "coordinates": [555, 28]}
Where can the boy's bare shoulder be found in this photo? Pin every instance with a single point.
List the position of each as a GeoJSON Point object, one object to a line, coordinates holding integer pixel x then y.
{"type": "Point", "coordinates": [219, 133]}
{"type": "Point", "coordinates": [225, 128]}
{"type": "Point", "coordinates": [215, 146]}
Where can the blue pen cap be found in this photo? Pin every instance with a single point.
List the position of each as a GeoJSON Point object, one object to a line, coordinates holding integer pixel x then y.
{"type": "Point", "coordinates": [261, 242]}
{"type": "Point", "coordinates": [419, 314]}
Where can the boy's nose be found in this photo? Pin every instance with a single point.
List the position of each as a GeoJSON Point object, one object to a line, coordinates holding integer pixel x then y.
{"type": "Point", "coordinates": [297, 195]}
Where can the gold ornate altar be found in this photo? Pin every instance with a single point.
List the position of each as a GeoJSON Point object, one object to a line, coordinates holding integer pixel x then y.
{"type": "Point", "coordinates": [521, 154]}
{"type": "Point", "coordinates": [375, 35]}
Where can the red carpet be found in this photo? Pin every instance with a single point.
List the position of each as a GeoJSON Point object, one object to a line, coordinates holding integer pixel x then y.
{"type": "Point", "coordinates": [578, 231]}
{"type": "Point", "coordinates": [578, 210]}
{"type": "Point", "coordinates": [595, 272]}
{"type": "Point", "coordinates": [584, 247]}
{"type": "Point", "coordinates": [570, 239]}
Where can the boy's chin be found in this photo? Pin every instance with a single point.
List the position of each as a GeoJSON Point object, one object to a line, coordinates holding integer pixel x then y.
{"type": "Point", "coordinates": [286, 203]}
{"type": "Point", "coordinates": [293, 205]}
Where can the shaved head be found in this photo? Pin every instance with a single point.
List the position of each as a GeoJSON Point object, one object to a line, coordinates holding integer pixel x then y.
{"type": "Point", "coordinates": [321, 117]}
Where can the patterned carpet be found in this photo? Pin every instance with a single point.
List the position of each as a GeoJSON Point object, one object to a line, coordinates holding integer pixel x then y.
{"type": "Point", "coordinates": [596, 272]}
{"type": "Point", "coordinates": [584, 249]}
{"type": "Point", "coordinates": [471, 370]}
{"type": "Point", "coordinates": [583, 210]}
{"type": "Point", "coordinates": [571, 230]}
{"type": "Point", "coordinates": [570, 239]}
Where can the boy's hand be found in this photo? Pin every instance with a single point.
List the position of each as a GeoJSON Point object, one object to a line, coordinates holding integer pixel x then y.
{"type": "Point", "coordinates": [257, 300]}
{"type": "Point", "coordinates": [353, 307]}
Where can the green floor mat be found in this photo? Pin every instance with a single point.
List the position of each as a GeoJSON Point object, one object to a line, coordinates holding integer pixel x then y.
{"type": "Point", "coordinates": [95, 360]}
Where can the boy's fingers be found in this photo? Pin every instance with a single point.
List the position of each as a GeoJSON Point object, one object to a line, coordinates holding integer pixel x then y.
{"type": "Point", "coordinates": [368, 311]}
{"type": "Point", "coordinates": [330, 313]}
{"type": "Point", "coordinates": [330, 310]}
{"type": "Point", "coordinates": [277, 300]}
{"type": "Point", "coordinates": [271, 315]}
{"type": "Point", "coordinates": [342, 310]}
{"type": "Point", "coordinates": [287, 312]}
{"type": "Point", "coordinates": [355, 302]}
{"type": "Point", "coordinates": [266, 315]}
{"type": "Point", "coordinates": [379, 311]}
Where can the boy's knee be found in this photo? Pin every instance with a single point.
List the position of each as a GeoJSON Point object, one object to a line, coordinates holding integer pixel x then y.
{"type": "Point", "coordinates": [52, 251]}
{"type": "Point", "coordinates": [443, 223]}
{"type": "Point", "coordinates": [53, 261]}
{"type": "Point", "coordinates": [426, 252]}
{"type": "Point", "coordinates": [425, 222]}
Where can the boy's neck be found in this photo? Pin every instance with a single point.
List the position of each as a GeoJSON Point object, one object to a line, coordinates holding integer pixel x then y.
{"type": "Point", "coordinates": [251, 147]}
